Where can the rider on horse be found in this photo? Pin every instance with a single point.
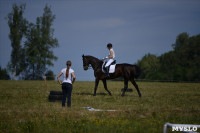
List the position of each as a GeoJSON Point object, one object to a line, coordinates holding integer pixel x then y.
{"type": "Point", "coordinates": [110, 58]}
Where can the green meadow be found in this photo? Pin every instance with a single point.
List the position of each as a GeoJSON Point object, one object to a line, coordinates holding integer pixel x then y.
{"type": "Point", "coordinates": [24, 107]}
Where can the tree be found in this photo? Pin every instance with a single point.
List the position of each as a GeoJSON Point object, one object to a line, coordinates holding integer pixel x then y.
{"type": "Point", "coordinates": [50, 75]}
{"type": "Point", "coordinates": [180, 64]}
{"type": "Point", "coordinates": [170, 68]}
{"type": "Point", "coordinates": [193, 58]}
{"type": "Point", "coordinates": [4, 74]}
{"type": "Point", "coordinates": [17, 25]}
{"type": "Point", "coordinates": [39, 45]}
{"type": "Point", "coordinates": [149, 65]}
{"type": "Point", "coordinates": [181, 40]}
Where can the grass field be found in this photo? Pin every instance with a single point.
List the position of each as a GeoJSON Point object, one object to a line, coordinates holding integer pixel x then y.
{"type": "Point", "coordinates": [24, 107]}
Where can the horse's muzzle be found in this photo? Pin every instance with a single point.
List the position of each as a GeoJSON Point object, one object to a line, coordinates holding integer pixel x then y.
{"type": "Point", "coordinates": [85, 67]}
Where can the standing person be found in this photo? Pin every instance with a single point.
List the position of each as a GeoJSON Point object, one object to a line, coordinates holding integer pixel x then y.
{"type": "Point", "coordinates": [67, 83]}
{"type": "Point", "coordinates": [110, 58]}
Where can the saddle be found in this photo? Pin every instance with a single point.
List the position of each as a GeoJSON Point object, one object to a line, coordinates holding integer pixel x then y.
{"type": "Point", "coordinates": [113, 63]}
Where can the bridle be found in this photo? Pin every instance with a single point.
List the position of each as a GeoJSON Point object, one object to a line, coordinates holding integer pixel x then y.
{"type": "Point", "coordinates": [86, 64]}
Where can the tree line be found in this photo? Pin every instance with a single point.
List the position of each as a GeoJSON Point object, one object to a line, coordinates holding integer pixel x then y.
{"type": "Point", "coordinates": [180, 64]}
{"type": "Point", "coordinates": [30, 59]}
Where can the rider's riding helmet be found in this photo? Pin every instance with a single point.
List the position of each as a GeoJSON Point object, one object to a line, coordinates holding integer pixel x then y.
{"type": "Point", "coordinates": [109, 45]}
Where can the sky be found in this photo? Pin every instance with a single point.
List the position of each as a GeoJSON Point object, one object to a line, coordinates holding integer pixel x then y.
{"type": "Point", "coordinates": [134, 27]}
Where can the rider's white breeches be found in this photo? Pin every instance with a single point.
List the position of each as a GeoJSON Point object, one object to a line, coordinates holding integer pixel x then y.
{"type": "Point", "coordinates": [109, 62]}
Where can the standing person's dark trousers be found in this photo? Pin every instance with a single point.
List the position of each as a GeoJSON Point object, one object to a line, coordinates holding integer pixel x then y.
{"type": "Point", "coordinates": [67, 90]}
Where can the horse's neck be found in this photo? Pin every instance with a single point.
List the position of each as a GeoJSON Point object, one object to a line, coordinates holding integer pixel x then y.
{"type": "Point", "coordinates": [96, 63]}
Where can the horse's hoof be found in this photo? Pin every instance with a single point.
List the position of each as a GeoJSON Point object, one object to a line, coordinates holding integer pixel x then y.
{"type": "Point", "coordinates": [122, 95]}
{"type": "Point", "coordinates": [140, 95]}
{"type": "Point", "coordinates": [94, 94]}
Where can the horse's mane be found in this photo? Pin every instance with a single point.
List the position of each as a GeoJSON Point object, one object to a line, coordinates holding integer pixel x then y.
{"type": "Point", "coordinates": [93, 57]}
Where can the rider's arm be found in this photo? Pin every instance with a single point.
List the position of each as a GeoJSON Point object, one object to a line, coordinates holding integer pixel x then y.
{"type": "Point", "coordinates": [111, 54]}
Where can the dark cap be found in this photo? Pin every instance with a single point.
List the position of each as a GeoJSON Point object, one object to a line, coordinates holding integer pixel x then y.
{"type": "Point", "coordinates": [109, 45]}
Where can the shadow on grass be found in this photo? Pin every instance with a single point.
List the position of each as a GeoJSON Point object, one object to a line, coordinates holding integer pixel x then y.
{"type": "Point", "coordinates": [91, 94]}
{"type": "Point", "coordinates": [130, 96]}
{"type": "Point", "coordinates": [106, 94]}
{"type": "Point", "coordinates": [143, 96]}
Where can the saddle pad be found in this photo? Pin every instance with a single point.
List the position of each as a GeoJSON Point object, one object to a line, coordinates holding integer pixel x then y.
{"type": "Point", "coordinates": [111, 69]}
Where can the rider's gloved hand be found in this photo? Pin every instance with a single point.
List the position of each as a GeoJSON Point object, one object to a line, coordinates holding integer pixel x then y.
{"type": "Point", "coordinates": [105, 58]}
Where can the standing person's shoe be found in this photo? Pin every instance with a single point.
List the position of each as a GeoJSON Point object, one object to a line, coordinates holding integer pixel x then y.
{"type": "Point", "coordinates": [69, 105]}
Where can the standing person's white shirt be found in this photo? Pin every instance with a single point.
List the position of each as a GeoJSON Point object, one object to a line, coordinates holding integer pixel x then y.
{"type": "Point", "coordinates": [69, 78]}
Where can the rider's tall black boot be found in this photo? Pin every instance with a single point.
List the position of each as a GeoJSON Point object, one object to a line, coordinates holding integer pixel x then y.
{"type": "Point", "coordinates": [107, 72]}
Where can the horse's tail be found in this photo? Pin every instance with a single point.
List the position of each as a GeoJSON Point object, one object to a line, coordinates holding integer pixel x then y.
{"type": "Point", "coordinates": [137, 71]}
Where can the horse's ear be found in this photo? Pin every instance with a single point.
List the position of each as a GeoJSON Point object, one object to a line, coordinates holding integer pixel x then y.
{"type": "Point", "coordinates": [83, 55]}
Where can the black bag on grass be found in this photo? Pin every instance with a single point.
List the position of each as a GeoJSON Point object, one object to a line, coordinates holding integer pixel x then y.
{"type": "Point", "coordinates": [56, 93]}
{"type": "Point", "coordinates": [53, 98]}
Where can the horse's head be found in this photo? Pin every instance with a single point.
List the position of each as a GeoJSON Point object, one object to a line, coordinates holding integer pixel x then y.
{"type": "Point", "coordinates": [85, 63]}
{"type": "Point", "coordinates": [91, 62]}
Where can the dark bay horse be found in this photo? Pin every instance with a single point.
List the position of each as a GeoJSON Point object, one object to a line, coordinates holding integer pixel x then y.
{"type": "Point", "coordinates": [129, 72]}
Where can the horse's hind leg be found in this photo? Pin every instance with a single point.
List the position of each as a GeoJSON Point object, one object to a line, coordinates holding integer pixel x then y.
{"type": "Point", "coordinates": [136, 86]}
{"type": "Point", "coordinates": [125, 86]}
{"type": "Point", "coordinates": [105, 86]}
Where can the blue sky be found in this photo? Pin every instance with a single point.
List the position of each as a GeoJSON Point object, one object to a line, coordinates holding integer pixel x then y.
{"type": "Point", "coordinates": [134, 27]}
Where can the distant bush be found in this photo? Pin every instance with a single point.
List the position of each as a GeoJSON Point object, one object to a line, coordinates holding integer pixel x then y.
{"type": "Point", "coordinates": [4, 74]}
{"type": "Point", "coordinates": [50, 75]}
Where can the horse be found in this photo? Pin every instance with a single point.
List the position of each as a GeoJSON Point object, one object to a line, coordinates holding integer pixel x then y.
{"type": "Point", "coordinates": [127, 71]}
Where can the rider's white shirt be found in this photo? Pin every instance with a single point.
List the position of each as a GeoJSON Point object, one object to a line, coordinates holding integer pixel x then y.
{"type": "Point", "coordinates": [113, 53]}
{"type": "Point", "coordinates": [110, 60]}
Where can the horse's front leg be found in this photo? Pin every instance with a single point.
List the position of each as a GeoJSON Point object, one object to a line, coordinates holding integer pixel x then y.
{"type": "Point", "coordinates": [96, 85]}
{"type": "Point", "coordinates": [105, 86]}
